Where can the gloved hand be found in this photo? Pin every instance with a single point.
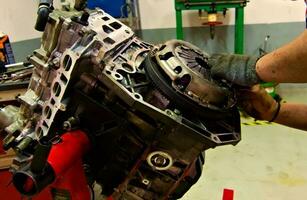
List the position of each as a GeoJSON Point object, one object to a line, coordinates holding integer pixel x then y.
{"type": "Point", "coordinates": [238, 69]}
{"type": "Point", "coordinates": [257, 103]}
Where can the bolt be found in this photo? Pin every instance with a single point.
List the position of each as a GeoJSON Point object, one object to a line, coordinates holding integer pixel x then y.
{"type": "Point", "coordinates": [62, 107]}
{"type": "Point", "coordinates": [70, 124]}
{"type": "Point", "coordinates": [168, 112]}
{"type": "Point", "coordinates": [159, 160]}
{"type": "Point", "coordinates": [177, 112]}
{"type": "Point", "coordinates": [67, 126]}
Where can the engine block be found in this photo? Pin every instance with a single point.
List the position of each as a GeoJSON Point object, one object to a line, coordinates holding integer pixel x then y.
{"type": "Point", "coordinates": [150, 111]}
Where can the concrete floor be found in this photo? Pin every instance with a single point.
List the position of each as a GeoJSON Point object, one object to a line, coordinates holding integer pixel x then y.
{"type": "Point", "coordinates": [270, 163]}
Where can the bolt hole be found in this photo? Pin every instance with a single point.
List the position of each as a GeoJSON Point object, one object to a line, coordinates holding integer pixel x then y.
{"type": "Point", "coordinates": [178, 70]}
{"type": "Point", "coordinates": [137, 96]}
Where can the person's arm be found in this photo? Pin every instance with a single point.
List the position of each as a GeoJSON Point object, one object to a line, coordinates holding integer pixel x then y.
{"type": "Point", "coordinates": [293, 115]}
{"type": "Point", "coordinates": [259, 104]}
{"type": "Point", "coordinates": [287, 64]}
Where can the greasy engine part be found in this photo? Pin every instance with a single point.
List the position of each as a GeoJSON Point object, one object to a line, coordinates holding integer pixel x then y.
{"type": "Point", "coordinates": [49, 165]}
{"type": "Point", "coordinates": [44, 9]}
{"type": "Point", "coordinates": [181, 70]}
{"type": "Point", "coordinates": [149, 110]}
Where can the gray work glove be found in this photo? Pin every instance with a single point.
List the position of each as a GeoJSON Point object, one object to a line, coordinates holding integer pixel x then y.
{"type": "Point", "coordinates": [238, 69]}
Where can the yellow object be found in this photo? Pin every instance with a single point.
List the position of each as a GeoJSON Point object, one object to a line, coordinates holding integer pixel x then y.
{"type": "Point", "coordinates": [212, 17]}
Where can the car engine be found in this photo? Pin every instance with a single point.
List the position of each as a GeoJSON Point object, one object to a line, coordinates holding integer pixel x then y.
{"type": "Point", "coordinates": [146, 112]}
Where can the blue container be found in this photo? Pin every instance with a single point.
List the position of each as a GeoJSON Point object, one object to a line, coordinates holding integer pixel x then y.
{"type": "Point", "coordinates": [112, 7]}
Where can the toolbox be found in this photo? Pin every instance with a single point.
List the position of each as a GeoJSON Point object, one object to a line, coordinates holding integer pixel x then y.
{"type": "Point", "coordinates": [6, 52]}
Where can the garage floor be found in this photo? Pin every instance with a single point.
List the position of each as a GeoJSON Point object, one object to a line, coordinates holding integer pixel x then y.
{"type": "Point", "coordinates": [270, 163]}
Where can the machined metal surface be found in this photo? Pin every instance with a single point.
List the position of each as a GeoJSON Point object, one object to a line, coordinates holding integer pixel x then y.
{"type": "Point", "coordinates": [92, 73]}
{"type": "Point", "coordinates": [188, 69]}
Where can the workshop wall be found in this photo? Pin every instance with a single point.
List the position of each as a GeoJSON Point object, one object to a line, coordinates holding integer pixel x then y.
{"type": "Point", "coordinates": [18, 19]}
{"type": "Point", "coordinates": [263, 17]}
{"type": "Point", "coordinates": [161, 13]}
{"type": "Point", "coordinates": [280, 34]}
{"type": "Point", "coordinates": [282, 20]}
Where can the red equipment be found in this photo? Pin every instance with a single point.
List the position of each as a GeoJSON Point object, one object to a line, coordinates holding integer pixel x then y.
{"type": "Point", "coordinates": [64, 170]}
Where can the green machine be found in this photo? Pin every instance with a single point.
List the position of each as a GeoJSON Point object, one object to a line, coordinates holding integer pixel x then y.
{"type": "Point", "coordinates": [214, 6]}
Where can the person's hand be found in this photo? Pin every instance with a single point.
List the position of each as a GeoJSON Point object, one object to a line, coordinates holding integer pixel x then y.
{"type": "Point", "coordinates": [238, 69]}
{"type": "Point", "coordinates": [257, 103]}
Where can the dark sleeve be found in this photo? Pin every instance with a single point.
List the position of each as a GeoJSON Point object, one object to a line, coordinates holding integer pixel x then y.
{"type": "Point", "coordinates": [2, 67]}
